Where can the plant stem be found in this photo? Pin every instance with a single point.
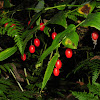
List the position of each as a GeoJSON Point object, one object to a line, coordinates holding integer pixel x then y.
{"type": "Point", "coordinates": [16, 80]}
{"type": "Point", "coordinates": [26, 76]}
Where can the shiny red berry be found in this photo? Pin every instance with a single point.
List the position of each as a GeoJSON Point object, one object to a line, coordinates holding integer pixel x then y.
{"type": "Point", "coordinates": [37, 42]}
{"type": "Point", "coordinates": [68, 53]}
{"type": "Point", "coordinates": [12, 25]}
{"type": "Point", "coordinates": [58, 64]}
{"type": "Point", "coordinates": [56, 71]}
{"type": "Point", "coordinates": [5, 24]}
{"type": "Point", "coordinates": [53, 35]}
{"type": "Point", "coordinates": [32, 48]}
{"type": "Point", "coordinates": [42, 26]}
{"type": "Point", "coordinates": [95, 35]}
{"type": "Point", "coordinates": [29, 23]}
{"type": "Point", "coordinates": [23, 57]}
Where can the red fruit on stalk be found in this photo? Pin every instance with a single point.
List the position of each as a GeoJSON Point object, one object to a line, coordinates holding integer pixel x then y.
{"type": "Point", "coordinates": [68, 53]}
{"type": "Point", "coordinates": [5, 24]}
{"type": "Point", "coordinates": [37, 42]}
{"type": "Point", "coordinates": [42, 26]}
{"type": "Point", "coordinates": [53, 35]}
{"type": "Point", "coordinates": [12, 25]}
{"type": "Point", "coordinates": [56, 71]}
{"type": "Point", "coordinates": [58, 64]}
{"type": "Point", "coordinates": [29, 23]}
{"type": "Point", "coordinates": [32, 48]}
{"type": "Point", "coordinates": [23, 57]}
{"type": "Point", "coordinates": [95, 35]}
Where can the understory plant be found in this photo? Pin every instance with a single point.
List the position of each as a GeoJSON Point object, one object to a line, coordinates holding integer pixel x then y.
{"type": "Point", "coordinates": [27, 65]}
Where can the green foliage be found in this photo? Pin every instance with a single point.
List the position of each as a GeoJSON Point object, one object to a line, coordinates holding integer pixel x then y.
{"type": "Point", "coordinates": [49, 70]}
{"type": "Point", "coordinates": [64, 14]}
{"type": "Point", "coordinates": [90, 20]}
{"type": "Point", "coordinates": [7, 53]}
{"type": "Point", "coordinates": [94, 90]}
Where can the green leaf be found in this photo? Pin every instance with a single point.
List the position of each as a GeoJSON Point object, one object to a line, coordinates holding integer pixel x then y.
{"type": "Point", "coordinates": [49, 70]}
{"type": "Point", "coordinates": [55, 43]}
{"type": "Point", "coordinates": [46, 31]}
{"type": "Point", "coordinates": [7, 53]}
{"type": "Point", "coordinates": [92, 20]}
{"type": "Point", "coordinates": [7, 4]}
{"type": "Point", "coordinates": [59, 19]}
{"type": "Point", "coordinates": [71, 40]}
{"type": "Point", "coordinates": [2, 68]}
{"type": "Point", "coordinates": [39, 6]}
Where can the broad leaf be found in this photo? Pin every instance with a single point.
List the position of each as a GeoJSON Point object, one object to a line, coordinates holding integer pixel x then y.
{"type": "Point", "coordinates": [7, 53]}
{"type": "Point", "coordinates": [39, 6]}
{"type": "Point", "coordinates": [49, 70]}
{"type": "Point", "coordinates": [92, 20]}
{"type": "Point", "coordinates": [59, 19]}
{"type": "Point", "coordinates": [71, 40]}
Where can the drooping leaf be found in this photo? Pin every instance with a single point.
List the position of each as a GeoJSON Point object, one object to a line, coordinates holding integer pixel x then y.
{"type": "Point", "coordinates": [71, 40]}
{"type": "Point", "coordinates": [56, 41]}
{"type": "Point", "coordinates": [92, 20]}
{"type": "Point", "coordinates": [59, 19]}
{"type": "Point", "coordinates": [7, 53]}
{"type": "Point", "coordinates": [39, 6]}
{"type": "Point", "coordinates": [49, 70]}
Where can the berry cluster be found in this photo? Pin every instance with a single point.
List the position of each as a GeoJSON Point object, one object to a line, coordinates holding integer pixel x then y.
{"type": "Point", "coordinates": [36, 42]}
{"type": "Point", "coordinates": [58, 64]}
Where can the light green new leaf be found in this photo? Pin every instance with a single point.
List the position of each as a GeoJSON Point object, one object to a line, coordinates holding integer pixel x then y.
{"type": "Point", "coordinates": [7, 53]}
{"type": "Point", "coordinates": [59, 19]}
{"type": "Point", "coordinates": [92, 20]}
{"type": "Point", "coordinates": [49, 70]}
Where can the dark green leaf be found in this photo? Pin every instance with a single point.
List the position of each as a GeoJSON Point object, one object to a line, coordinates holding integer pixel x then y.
{"type": "Point", "coordinates": [39, 6]}
{"type": "Point", "coordinates": [59, 19]}
{"type": "Point", "coordinates": [7, 53]}
{"type": "Point", "coordinates": [49, 70]}
{"type": "Point", "coordinates": [92, 20]}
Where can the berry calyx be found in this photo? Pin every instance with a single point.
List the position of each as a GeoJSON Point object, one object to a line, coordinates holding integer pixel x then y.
{"type": "Point", "coordinates": [23, 57]}
{"type": "Point", "coordinates": [56, 71]}
{"type": "Point", "coordinates": [32, 48]}
{"type": "Point", "coordinates": [95, 35]}
{"type": "Point", "coordinates": [53, 35]}
{"type": "Point", "coordinates": [42, 26]}
{"type": "Point", "coordinates": [58, 64]}
{"type": "Point", "coordinates": [5, 24]}
{"type": "Point", "coordinates": [37, 42]}
{"type": "Point", "coordinates": [29, 23]}
{"type": "Point", "coordinates": [68, 53]}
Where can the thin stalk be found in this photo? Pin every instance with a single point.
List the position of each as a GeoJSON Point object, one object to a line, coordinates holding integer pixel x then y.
{"type": "Point", "coordinates": [16, 80]}
{"type": "Point", "coordinates": [26, 76]}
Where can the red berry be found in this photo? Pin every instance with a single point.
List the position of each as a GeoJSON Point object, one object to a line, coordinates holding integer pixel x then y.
{"type": "Point", "coordinates": [58, 64]}
{"type": "Point", "coordinates": [37, 42]}
{"type": "Point", "coordinates": [32, 48]}
{"type": "Point", "coordinates": [56, 71]}
{"type": "Point", "coordinates": [23, 57]}
{"type": "Point", "coordinates": [12, 25]}
{"type": "Point", "coordinates": [95, 35]}
{"type": "Point", "coordinates": [53, 35]}
{"type": "Point", "coordinates": [5, 24]}
{"type": "Point", "coordinates": [42, 26]}
{"type": "Point", "coordinates": [29, 23]}
{"type": "Point", "coordinates": [68, 53]}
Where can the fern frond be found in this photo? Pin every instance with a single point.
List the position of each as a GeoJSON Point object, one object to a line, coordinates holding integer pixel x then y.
{"type": "Point", "coordinates": [14, 31]}
{"type": "Point", "coordinates": [85, 96]}
{"type": "Point", "coordinates": [95, 76]}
